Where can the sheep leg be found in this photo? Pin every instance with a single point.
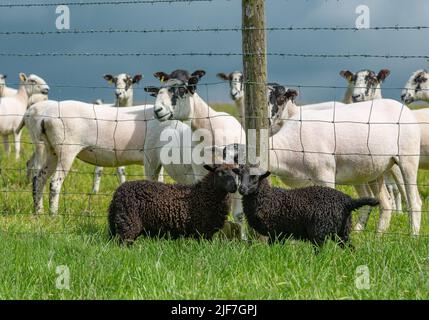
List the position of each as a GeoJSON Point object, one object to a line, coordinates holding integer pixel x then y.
{"type": "Point", "coordinates": [385, 206]}
{"type": "Point", "coordinates": [409, 169]}
{"type": "Point", "coordinates": [237, 213]}
{"type": "Point", "coordinates": [363, 190]}
{"type": "Point", "coordinates": [40, 179]}
{"type": "Point", "coordinates": [17, 140]}
{"type": "Point", "coordinates": [30, 165]}
{"type": "Point", "coordinates": [63, 167]}
{"type": "Point", "coordinates": [393, 188]}
{"type": "Point", "coordinates": [161, 175]}
{"type": "Point", "coordinates": [397, 176]}
{"type": "Point", "coordinates": [98, 171]}
{"type": "Point", "coordinates": [6, 145]}
{"type": "Point", "coordinates": [121, 174]}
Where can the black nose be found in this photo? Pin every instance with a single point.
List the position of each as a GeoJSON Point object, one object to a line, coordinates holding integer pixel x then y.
{"type": "Point", "coordinates": [45, 91]}
{"type": "Point", "coordinates": [403, 97]}
{"type": "Point", "coordinates": [117, 94]}
{"type": "Point", "coordinates": [242, 190]}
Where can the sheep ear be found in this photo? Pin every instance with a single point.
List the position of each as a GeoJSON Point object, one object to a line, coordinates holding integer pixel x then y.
{"type": "Point", "coordinates": [223, 76]}
{"type": "Point", "coordinates": [137, 78]}
{"type": "Point", "coordinates": [109, 78]}
{"type": "Point", "coordinates": [346, 74]}
{"type": "Point", "coordinates": [162, 76]}
{"type": "Point", "coordinates": [209, 168]}
{"type": "Point", "coordinates": [291, 94]}
{"type": "Point", "coordinates": [22, 77]}
{"type": "Point", "coordinates": [192, 84]}
{"type": "Point", "coordinates": [383, 74]}
{"type": "Point", "coordinates": [265, 175]}
{"type": "Point", "coordinates": [198, 74]}
{"type": "Point", "coordinates": [153, 91]}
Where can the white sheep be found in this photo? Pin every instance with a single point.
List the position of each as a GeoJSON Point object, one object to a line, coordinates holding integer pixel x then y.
{"type": "Point", "coordinates": [354, 145]}
{"type": "Point", "coordinates": [179, 100]}
{"type": "Point", "coordinates": [100, 135]}
{"type": "Point", "coordinates": [124, 98]}
{"type": "Point", "coordinates": [12, 108]}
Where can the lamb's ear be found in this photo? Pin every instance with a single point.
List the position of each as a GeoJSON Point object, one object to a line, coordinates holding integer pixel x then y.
{"type": "Point", "coordinates": [291, 94]}
{"type": "Point", "coordinates": [223, 76]}
{"type": "Point", "coordinates": [346, 74]}
{"type": "Point", "coordinates": [265, 175]}
{"type": "Point", "coordinates": [383, 74]}
{"type": "Point", "coordinates": [153, 91]}
{"type": "Point", "coordinates": [192, 84]}
{"type": "Point", "coordinates": [210, 168]}
{"type": "Point", "coordinates": [198, 74]}
{"type": "Point", "coordinates": [137, 78]}
{"type": "Point", "coordinates": [109, 78]}
{"type": "Point", "coordinates": [22, 77]}
{"type": "Point", "coordinates": [162, 76]}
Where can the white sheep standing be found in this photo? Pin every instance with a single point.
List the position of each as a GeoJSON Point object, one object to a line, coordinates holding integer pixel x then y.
{"type": "Point", "coordinates": [13, 107]}
{"type": "Point", "coordinates": [102, 136]}
{"type": "Point", "coordinates": [355, 145]}
{"type": "Point", "coordinates": [124, 98]}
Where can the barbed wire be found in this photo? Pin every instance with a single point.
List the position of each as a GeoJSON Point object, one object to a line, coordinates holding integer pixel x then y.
{"type": "Point", "coordinates": [97, 3]}
{"type": "Point", "coordinates": [214, 83]}
{"type": "Point", "coordinates": [215, 30]}
{"type": "Point", "coordinates": [209, 54]}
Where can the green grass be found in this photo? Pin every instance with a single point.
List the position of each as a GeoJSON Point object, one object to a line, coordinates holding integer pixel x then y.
{"type": "Point", "coordinates": [32, 248]}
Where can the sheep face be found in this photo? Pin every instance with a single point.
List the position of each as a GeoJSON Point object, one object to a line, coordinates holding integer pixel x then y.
{"type": "Point", "coordinates": [224, 177]}
{"type": "Point", "coordinates": [417, 87]}
{"type": "Point", "coordinates": [34, 85]}
{"type": "Point", "coordinates": [278, 99]}
{"type": "Point", "coordinates": [124, 85]}
{"type": "Point", "coordinates": [175, 100]}
{"type": "Point", "coordinates": [365, 85]}
{"type": "Point", "coordinates": [236, 86]}
{"type": "Point", "coordinates": [250, 178]}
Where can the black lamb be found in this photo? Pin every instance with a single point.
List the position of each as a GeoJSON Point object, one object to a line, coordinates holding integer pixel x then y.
{"type": "Point", "coordinates": [157, 209]}
{"type": "Point", "coordinates": [314, 213]}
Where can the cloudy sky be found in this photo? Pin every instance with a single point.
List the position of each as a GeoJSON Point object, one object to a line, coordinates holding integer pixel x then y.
{"type": "Point", "coordinates": [88, 71]}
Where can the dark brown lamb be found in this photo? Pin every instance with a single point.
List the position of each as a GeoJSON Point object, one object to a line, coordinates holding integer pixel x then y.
{"type": "Point", "coordinates": [157, 209]}
{"type": "Point", "coordinates": [314, 213]}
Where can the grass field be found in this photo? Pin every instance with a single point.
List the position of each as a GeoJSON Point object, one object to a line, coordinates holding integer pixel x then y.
{"type": "Point", "coordinates": [37, 253]}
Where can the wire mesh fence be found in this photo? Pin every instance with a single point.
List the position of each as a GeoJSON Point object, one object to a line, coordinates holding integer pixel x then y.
{"type": "Point", "coordinates": [113, 137]}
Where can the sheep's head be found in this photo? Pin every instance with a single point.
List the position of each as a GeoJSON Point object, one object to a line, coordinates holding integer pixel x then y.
{"type": "Point", "coordinates": [250, 178]}
{"type": "Point", "coordinates": [174, 101]}
{"type": "Point", "coordinates": [417, 87]}
{"type": "Point", "coordinates": [365, 85]}
{"type": "Point", "coordinates": [236, 86]}
{"type": "Point", "coordinates": [124, 86]}
{"type": "Point", "coordinates": [34, 85]}
{"type": "Point", "coordinates": [224, 177]}
{"type": "Point", "coordinates": [279, 100]}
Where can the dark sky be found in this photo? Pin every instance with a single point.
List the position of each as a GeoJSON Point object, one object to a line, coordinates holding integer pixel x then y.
{"type": "Point", "coordinates": [88, 71]}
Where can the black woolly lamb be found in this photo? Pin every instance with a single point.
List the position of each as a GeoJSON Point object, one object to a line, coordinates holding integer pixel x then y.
{"type": "Point", "coordinates": [314, 213]}
{"type": "Point", "coordinates": [156, 209]}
